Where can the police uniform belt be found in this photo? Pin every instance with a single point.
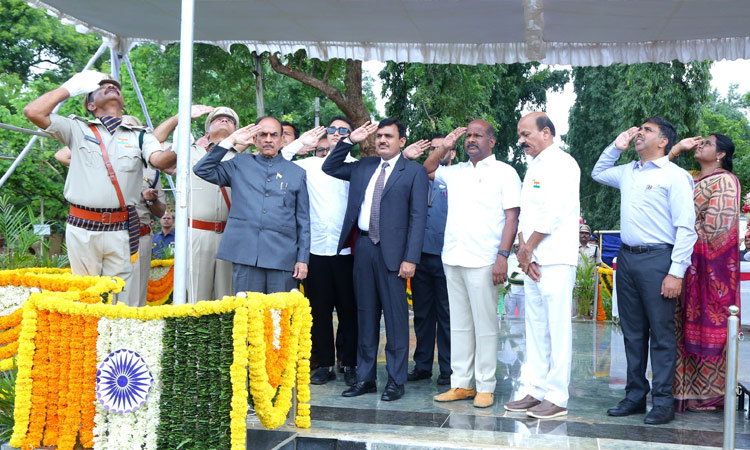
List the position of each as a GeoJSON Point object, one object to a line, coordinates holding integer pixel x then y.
{"type": "Point", "coordinates": [217, 227]}
{"type": "Point", "coordinates": [98, 215]}
{"type": "Point", "coordinates": [145, 230]}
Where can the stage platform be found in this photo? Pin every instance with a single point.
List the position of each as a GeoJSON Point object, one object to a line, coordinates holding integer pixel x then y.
{"type": "Point", "coordinates": [416, 422]}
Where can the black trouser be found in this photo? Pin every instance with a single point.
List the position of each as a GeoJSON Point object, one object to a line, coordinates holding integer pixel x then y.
{"type": "Point", "coordinates": [645, 313]}
{"type": "Point", "coordinates": [431, 314]}
{"type": "Point", "coordinates": [380, 291]}
{"type": "Point", "coordinates": [329, 285]}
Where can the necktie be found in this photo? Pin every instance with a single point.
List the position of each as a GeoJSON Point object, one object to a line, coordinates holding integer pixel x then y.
{"type": "Point", "coordinates": [374, 232]}
{"type": "Point", "coordinates": [111, 123]}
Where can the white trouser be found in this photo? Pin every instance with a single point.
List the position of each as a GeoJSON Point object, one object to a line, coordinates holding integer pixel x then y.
{"type": "Point", "coordinates": [210, 278]}
{"type": "Point", "coordinates": [474, 328]}
{"type": "Point", "coordinates": [141, 272]}
{"type": "Point", "coordinates": [546, 373]}
{"type": "Point", "coordinates": [100, 253]}
{"type": "Point", "coordinates": [515, 298]}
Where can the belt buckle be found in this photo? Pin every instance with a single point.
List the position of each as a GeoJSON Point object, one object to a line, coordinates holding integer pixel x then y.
{"type": "Point", "coordinates": [217, 227]}
{"type": "Point", "coordinates": [107, 217]}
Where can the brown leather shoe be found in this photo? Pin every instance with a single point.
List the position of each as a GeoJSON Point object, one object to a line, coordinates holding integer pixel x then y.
{"type": "Point", "coordinates": [455, 394]}
{"type": "Point", "coordinates": [522, 405]}
{"type": "Point", "coordinates": [546, 410]}
{"type": "Point", "coordinates": [484, 400]}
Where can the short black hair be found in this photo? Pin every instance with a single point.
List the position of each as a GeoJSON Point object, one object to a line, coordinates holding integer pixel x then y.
{"type": "Point", "coordinates": [284, 123]}
{"type": "Point", "coordinates": [666, 130]}
{"type": "Point", "coordinates": [257, 121]}
{"type": "Point", "coordinates": [543, 121]}
{"type": "Point", "coordinates": [343, 119]}
{"type": "Point", "coordinates": [726, 146]}
{"type": "Point", "coordinates": [438, 136]}
{"type": "Point", "coordinates": [391, 121]}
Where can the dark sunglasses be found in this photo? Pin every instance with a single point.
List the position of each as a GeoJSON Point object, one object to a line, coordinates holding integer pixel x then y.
{"type": "Point", "coordinates": [341, 130]}
{"type": "Point", "coordinates": [322, 149]}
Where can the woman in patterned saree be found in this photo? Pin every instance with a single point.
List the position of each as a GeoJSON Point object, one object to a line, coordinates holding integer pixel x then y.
{"type": "Point", "coordinates": [712, 281]}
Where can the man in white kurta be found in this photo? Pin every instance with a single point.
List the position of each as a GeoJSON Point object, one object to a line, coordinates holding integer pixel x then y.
{"type": "Point", "coordinates": [479, 231]}
{"type": "Point", "coordinates": [548, 254]}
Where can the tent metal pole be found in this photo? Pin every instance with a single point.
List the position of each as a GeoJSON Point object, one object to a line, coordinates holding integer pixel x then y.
{"type": "Point", "coordinates": [33, 139]}
{"type": "Point", "coordinates": [144, 108]}
{"type": "Point", "coordinates": [183, 151]}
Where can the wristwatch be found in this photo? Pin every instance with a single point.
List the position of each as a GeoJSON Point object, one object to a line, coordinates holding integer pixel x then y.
{"type": "Point", "coordinates": [149, 202]}
{"type": "Point", "coordinates": [504, 253]}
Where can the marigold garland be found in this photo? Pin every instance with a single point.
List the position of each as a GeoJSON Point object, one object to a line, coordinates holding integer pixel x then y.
{"type": "Point", "coordinates": [68, 331]}
{"type": "Point", "coordinates": [10, 335]}
{"type": "Point", "coordinates": [11, 320]}
{"type": "Point", "coordinates": [159, 290]}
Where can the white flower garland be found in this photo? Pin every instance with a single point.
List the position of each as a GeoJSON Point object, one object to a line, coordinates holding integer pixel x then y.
{"type": "Point", "coordinates": [136, 430]}
{"type": "Point", "coordinates": [12, 298]}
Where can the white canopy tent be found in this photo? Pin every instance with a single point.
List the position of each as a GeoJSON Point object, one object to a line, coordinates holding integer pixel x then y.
{"type": "Point", "coordinates": [575, 32]}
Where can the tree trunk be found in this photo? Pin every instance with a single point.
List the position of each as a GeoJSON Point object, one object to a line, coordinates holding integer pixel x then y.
{"type": "Point", "coordinates": [349, 102]}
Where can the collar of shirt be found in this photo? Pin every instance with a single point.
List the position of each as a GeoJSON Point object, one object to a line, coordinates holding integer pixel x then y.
{"type": "Point", "coordinates": [660, 162]}
{"type": "Point", "coordinates": [544, 154]}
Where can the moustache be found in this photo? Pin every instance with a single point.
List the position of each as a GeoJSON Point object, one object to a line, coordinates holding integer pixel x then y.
{"type": "Point", "coordinates": [524, 146]}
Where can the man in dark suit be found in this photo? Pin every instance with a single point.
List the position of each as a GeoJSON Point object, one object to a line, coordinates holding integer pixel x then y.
{"type": "Point", "coordinates": [267, 238]}
{"type": "Point", "coordinates": [387, 207]}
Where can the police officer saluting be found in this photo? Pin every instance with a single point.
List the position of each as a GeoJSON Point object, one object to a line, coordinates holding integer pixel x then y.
{"type": "Point", "coordinates": [105, 176]}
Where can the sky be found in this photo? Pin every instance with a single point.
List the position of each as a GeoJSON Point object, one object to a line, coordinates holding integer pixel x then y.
{"type": "Point", "coordinates": [724, 74]}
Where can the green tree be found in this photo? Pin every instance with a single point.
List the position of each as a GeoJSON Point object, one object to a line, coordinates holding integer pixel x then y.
{"type": "Point", "coordinates": [614, 98]}
{"type": "Point", "coordinates": [728, 116]}
{"type": "Point", "coordinates": [436, 98]}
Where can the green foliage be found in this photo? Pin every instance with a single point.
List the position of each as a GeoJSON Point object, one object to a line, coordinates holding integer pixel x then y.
{"type": "Point", "coordinates": [17, 230]}
{"type": "Point", "coordinates": [436, 98]}
{"type": "Point", "coordinates": [607, 304]}
{"type": "Point", "coordinates": [728, 116]}
{"type": "Point", "coordinates": [7, 403]}
{"type": "Point", "coordinates": [614, 98]}
{"type": "Point", "coordinates": [585, 286]}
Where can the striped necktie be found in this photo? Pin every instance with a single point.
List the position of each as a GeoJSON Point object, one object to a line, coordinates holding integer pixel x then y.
{"type": "Point", "coordinates": [111, 123]}
{"type": "Point", "coordinates": [377, 193]}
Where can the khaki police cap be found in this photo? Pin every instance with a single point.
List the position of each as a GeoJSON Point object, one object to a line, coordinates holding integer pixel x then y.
{"type": "Point", "coordinates": [584, 229]}
{"type": "Point", "coordinates": [222, 111]}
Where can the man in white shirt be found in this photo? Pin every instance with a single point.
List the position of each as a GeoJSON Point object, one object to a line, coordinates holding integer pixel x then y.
{"type": "Point", "coordinates": [329, 282]}
{"type": "Point", "coordinates": [548, 255]}
{"type": "Point", "coordinates": [480, 228]}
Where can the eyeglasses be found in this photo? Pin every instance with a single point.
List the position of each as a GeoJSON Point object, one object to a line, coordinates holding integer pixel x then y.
{"type": "Point", "coordinates": [322, 149]}
{"type": "Point", "coordinates": [341, 130]}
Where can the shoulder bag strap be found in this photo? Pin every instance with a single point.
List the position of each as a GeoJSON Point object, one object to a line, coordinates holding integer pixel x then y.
{"type": "Point", "coordinates": [110, 170]}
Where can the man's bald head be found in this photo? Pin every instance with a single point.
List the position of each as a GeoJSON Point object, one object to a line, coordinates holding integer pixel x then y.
{"type": "Point", "coordinates": [535, 133]}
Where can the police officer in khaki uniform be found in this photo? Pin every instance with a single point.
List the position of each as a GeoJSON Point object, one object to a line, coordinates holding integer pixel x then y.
{"type": "Point", "coordinates": [151, 202]}
{"type": "Point", "coordinates": [210, 278]}
{"type": "Point", "coordinates": [101, 236]}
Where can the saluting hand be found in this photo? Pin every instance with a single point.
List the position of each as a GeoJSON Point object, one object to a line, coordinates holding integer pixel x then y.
{"type": "Point", "coordinates": [623, 140]}
{"type": "Point", "coordinates": [311, 137]}
{"type": "Point", "coordinates": [689, 143]}
{"type": "Point", "coordinates": [200, 110]}
{"type": "Point", "coordinates": [416, 149]}
{"type": "Point", "coordinates": [361, 133]}
{"type": "Point", "coordinates": [245, 136]}
{"type": "Point", "coordinates": [450, 140]}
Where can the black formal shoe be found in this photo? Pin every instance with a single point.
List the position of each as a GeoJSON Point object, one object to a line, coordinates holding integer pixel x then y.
{"type": "Point", "coordinates": [417, 374]}
{"type": "Point", "coordinates": [392, 391]}
{"type": "Point", "coordinates": [360, 388]}
{"type": "Point", "coordinates": [659, 415]}
{"type": "Point", "coordinates": [323, 375]}
{"type": "Point", "coordinates": [350, 376]}
{"type": "Point", "coordinates": [626, 408]}
{"type": "Point", "coordinates": [444, 379]}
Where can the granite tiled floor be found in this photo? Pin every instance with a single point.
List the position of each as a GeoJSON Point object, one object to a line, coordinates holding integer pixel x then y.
{"type": "Point", "coordinates": [416, 422]}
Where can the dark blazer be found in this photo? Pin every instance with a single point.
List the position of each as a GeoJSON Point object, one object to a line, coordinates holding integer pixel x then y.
{"type": "Point", "coordinates": [269, 221]}
{"type": "Point", "coordinates": [403, 206]}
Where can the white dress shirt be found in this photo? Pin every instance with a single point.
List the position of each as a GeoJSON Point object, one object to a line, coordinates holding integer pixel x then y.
{"type": "Point", "coordinates": [656, 204]}
{"type": "Point", "coordinates": [328, 198]}
{"type": "Point", "coordinates": [364, 212]}
{"type": "Point", "coordinates": [477, 200]}
{"type": "Point", "coordinates": [550, 205]}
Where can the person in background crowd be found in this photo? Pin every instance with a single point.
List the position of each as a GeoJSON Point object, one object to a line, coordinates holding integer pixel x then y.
{"type": "Point", "coordinates": [712, 282]}
{"type": "Point", "coordinates": [429, 288]}
{"type": "Point", "coordinates": [164, 239]}
{"type": "Point", "coordinates": [587, 249]}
